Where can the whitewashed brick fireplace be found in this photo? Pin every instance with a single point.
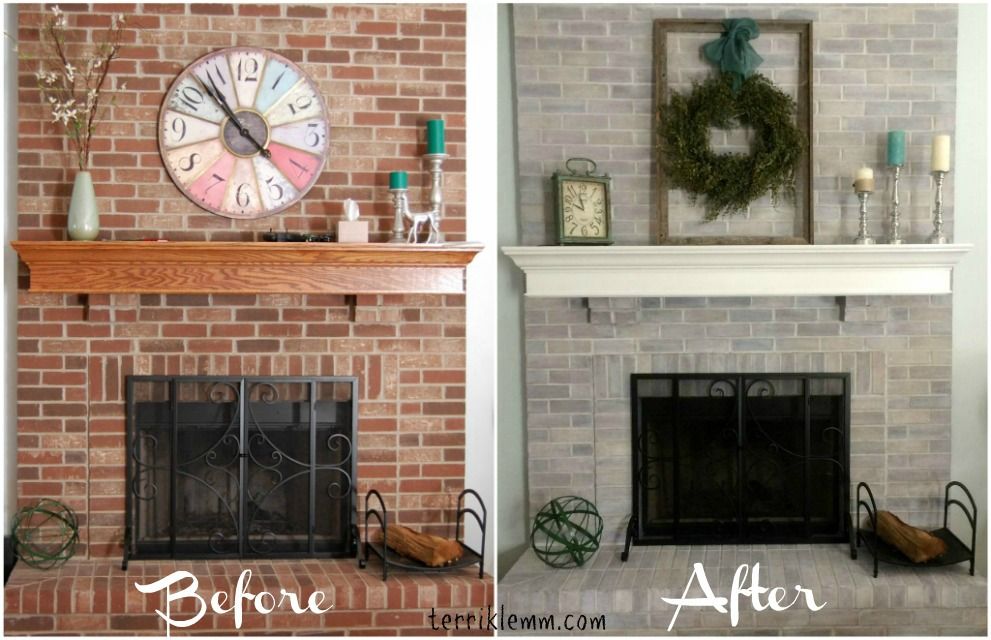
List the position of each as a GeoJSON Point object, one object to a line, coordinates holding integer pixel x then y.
{"type": "Point", "coordinates": [593, 316]}
{"type": "Point", "coordinates": [581, 352]}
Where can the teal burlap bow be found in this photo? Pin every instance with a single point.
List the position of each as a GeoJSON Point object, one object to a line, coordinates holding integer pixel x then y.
{"type": "Point", "coordinates": [732, 52]}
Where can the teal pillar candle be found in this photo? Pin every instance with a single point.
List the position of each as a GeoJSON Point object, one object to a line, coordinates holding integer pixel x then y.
{"type": "Point", "coordinates": [896, 148]}
{"type": "Point", "coordinates": [435, 136]}
{"type": "Point", "coordinates": [398, 180]}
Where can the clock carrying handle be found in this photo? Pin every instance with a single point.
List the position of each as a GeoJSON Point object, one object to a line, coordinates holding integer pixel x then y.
{"type": "Point", "coordinates": [589, 170]}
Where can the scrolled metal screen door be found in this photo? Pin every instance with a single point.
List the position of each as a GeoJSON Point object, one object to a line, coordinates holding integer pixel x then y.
{"type": "Point", "coordinates": [240, 467]}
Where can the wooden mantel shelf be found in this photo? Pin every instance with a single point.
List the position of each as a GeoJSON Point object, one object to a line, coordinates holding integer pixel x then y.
{"type": "Point", "coordinates": [737, 270]}
{"type": "Point", "coordinates": [244, 267]}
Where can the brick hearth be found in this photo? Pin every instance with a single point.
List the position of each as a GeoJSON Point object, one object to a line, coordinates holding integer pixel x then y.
{"type": "Point", "coordinates": [96, 596]}
{"type": "Point", "coordinates": [900, 601]}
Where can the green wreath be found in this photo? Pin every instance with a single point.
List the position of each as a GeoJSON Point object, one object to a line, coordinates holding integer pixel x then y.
{"type": "Point", "coordinates": [730, 182]}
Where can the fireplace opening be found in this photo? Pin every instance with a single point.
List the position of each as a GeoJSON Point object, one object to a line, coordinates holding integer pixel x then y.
{"type": "Point", "coordinates": [240, 467]}
{"type": "Point", "coordinates": [739, 459]}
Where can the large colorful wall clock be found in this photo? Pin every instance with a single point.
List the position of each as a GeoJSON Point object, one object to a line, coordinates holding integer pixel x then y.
{"type": "Point", "coordinates": [243, 132]}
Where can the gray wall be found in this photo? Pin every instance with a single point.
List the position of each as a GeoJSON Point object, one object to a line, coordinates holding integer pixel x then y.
{"type": "Point", "coordinates": [511, 439]}
{"type": "Point", "coordinates": [970, 299]}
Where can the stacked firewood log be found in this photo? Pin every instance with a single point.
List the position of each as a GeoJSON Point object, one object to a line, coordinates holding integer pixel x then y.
{"type": "Point", "coordinates": [918, 545]}
{"type": "Point", "coordinates": [431, 550]}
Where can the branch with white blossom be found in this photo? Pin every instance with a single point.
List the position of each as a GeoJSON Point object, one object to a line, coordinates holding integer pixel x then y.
{"type": "Point", "coordinates": [74, 92]}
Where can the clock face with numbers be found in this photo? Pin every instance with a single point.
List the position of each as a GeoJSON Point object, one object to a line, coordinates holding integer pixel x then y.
{"type": "Point", "coordinates": [243, 132]}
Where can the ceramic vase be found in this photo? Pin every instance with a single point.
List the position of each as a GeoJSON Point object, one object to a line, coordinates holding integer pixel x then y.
{"type": "Point", "coordinates": [84, 220]}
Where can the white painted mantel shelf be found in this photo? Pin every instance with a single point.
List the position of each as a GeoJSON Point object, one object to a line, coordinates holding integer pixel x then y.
{"type": "Point", "coordinates": [735, 270]}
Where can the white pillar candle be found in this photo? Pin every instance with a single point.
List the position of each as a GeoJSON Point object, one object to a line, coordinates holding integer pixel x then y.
{"type": "Point", "coordinates": [864, 180]}
{"type": "Point", "coordinates": [941, 153]}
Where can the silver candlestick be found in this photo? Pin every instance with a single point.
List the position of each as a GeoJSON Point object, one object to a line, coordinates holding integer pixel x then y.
{"type": "Point", "coordinates": [937, 236]}
{"type": "Point", "coordinates": [894, 234]}
{"type": "Point", "coordinates": [436, 162]}
{"type": "Point", "coordinates": [399, 204]}
{"type": "Point", "coordinates": [863, 237]}
{"type": "Point", "coordinates": [430, 218]}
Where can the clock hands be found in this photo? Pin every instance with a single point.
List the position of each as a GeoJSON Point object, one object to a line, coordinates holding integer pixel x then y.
{"type": "Point", "coordinates": [218, 96]}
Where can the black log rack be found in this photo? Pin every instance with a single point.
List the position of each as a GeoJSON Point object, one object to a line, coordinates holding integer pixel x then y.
{"type": "Point", "coordinates": [956, 550]}
{"type": "Point", "coordinates": [376, 510]}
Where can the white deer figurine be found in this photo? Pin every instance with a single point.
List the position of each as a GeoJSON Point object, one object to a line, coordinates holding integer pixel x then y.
{"type": "Point", "coordinates": [418, 220]}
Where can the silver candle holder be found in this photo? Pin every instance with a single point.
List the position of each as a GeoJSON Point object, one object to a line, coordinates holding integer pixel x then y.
{"type": "Point", "coordinates": [432, 217]}
{"type": "Point", "coordinates": [863, 188]}
{"type": "Point", "coordinates": [894, 233]}
{"type": "Point", "coordinates": [937, 237]}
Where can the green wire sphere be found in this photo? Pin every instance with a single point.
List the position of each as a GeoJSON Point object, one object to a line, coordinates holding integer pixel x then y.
{"type": "Point", "coordinates": [566, 532]}
{"type": "Point", "coordinates": [45, 535]}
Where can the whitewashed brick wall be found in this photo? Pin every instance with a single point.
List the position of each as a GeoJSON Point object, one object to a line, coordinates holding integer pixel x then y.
{"type": "Point", "coordinates": [580, 355]}
{"type": "Point", "coordinates": [584, 85]}
{"type": "Point", "coordinates": [585, 88]}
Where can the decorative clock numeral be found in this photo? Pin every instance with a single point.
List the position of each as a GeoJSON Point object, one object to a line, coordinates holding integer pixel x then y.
{"type": "Point", "coordinates": [309, 136]}
{"type": "Point", "coordinates": [190, 161]}
{"type": "Point", "coordinates": [189, 98]}
{"type": "Point", "coordinates": [296, 165]}
{"type": "Point", "coordinates": [247, 70]}
{"type": "Point", "coordinates": [242, 196]}
{"type": "Point", "coordinates": [214, 180]}
{"type": "Point", "coordinates": [215, 76]}
{"type": "Point", "coordinates": [192, 97]}
{"type": "Point", "coordinates": [211, 187]}
{"type": "Point", "coordinates": [247, 66]}
{"type": "Point", "coordinates": [179, 129]}
{"type": "Point", "coordinates": [275, 188]}
{"type": "Point", "coordinates": [298, 104]}
{"type": "Point", "coordinates": [242, 199]}
{"type": "Point", "coordinates": [301, 104]}
{"type": "Point", "coordinates": [278, 79]}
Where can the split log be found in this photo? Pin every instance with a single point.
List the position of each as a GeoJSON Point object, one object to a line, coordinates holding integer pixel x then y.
{"type": "Point", "coordinates": [916, 544]}
{"type": "Point", "coordinates": [431, 550]}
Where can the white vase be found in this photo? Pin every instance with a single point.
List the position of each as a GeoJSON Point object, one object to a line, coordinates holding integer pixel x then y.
{"type": "Point", "coordinates": [84, 220]}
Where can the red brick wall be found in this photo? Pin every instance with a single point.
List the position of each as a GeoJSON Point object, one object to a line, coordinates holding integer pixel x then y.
{"type": "Point", "coordinates": [384, 71]}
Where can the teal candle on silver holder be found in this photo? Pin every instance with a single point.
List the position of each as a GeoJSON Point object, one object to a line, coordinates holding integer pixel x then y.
{"type": "Point", "coordinates": [435, 136]}
{"type": "Point", "coordinates": [896, 148]}
{"type": "Point", "coordinates": [398, 180]}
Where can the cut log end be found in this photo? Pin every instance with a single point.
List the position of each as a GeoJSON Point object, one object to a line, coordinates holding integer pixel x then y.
{"type": "Point", "coordinates": [918, 545]}
{"type": "Point", "coordinates": [431, 550]}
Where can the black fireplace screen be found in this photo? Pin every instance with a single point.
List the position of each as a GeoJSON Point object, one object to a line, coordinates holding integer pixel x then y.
{"type": "Point", "coordinates": [240, 467]}
{"type": "Point", "coordinates": [740, 458]}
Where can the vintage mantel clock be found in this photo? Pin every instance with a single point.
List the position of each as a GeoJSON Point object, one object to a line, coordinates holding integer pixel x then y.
{"type": "Point", "coordinates": [581, 205]}
{"type": "Point", "coordinates": [243, 132]}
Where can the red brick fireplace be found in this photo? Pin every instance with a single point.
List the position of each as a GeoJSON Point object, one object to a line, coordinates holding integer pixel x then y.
{"type": "Point", "coordinates": [383, 70]}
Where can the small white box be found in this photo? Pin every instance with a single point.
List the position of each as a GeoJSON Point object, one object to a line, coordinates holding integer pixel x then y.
{"type": "Point", "coordinates": [352, 231]}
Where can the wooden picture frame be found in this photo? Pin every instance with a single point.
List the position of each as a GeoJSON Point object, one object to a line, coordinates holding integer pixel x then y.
{"type": "Point", "coordinates": [804, 216]}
